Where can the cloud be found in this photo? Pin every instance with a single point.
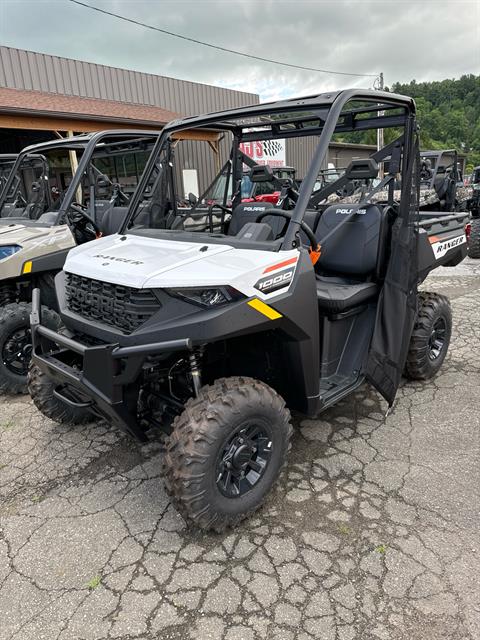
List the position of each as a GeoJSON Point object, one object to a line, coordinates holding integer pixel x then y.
{"type": "Point", "coordinates": [425, 40]}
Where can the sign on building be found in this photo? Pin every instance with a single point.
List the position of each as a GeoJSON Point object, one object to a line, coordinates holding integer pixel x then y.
{"type": "Point", "coordinates": [271, 152]}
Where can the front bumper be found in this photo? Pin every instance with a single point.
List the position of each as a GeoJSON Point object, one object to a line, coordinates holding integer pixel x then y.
{"type": "Point", "coordinates": [104, 379]}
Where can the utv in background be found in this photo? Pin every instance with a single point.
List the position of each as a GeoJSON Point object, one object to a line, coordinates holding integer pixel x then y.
{"type": "Point", "coordinates": [45, 210]}
{"type": "Point", "coordinates": [210, 335]}
{"type": "Point", "coordinates": [441, 185]}
{"type": "Point", "coordinates": [474, 207]}
{"type": "Point", "coordinates": [441, 181]}
{"type": "Point", "coordinates": [212, 208]}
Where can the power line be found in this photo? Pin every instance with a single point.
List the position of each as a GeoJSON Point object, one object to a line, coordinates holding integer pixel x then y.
{"type": "Point", "coordinates": [214, 46]}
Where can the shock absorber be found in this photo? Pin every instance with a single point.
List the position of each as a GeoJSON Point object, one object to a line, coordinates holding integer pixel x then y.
{"type": "Point", "coordinates": [194, 359]}
{"type": "Point", "coordinates": [7, 294]}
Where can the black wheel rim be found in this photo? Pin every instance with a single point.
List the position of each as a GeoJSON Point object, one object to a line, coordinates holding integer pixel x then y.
{"type": "Point", "coordinates": [17, 351]}
{"type": "Point", "coordinates": [244, 459]}
{"type": "Point", "coordinates": [437, 339]}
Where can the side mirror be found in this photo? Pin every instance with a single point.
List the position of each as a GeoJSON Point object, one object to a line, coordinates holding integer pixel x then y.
{"type": "Point", "coordinates": [362, 169]}
{"type": "Point", "coordinates": [261, 173]}
{"type": "Point", "coordinates": [192, 199]}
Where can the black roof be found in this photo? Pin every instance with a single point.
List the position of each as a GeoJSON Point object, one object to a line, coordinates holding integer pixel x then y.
{"type": "Point", "coordinates": [294, 104]}
{"type": "Point", "coordinates": [80, 141]}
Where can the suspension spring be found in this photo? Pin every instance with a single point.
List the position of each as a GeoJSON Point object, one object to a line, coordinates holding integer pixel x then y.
{"type": "Point", "coordinates": [195, 372]}
{"type": "Point", "coordinates": [7, 294]}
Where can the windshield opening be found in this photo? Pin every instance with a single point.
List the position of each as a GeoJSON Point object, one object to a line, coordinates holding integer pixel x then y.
{"type": "Point", "coordinates": [240, 167]}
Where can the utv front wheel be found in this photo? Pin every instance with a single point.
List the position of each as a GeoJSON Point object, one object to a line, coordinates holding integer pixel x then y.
{"type": "Point", "coordinates": [16, 344]}
{"type": "Point", "coordinates": [474, 240]}
{"type": "Point", "coordinates": [226, 451]}
{"type": "Point", "coordinates": [430, 337]}
{"type": "Point", "coordinates": [41, 389]}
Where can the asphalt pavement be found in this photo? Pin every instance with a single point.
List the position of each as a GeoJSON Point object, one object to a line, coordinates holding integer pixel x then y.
{"type": "Point", "coordinates": [372, 533]}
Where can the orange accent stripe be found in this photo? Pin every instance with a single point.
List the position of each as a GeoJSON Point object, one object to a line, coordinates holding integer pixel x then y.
{"type": "Point", "coordinates": [433, 239]}
{"type": "Point", "coordinates": [280, 264]}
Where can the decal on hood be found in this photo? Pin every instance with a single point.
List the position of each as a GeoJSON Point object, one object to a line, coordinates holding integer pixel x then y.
{"type": "Point", "coordinates": [116, 259]}
{"type": "Point", "coordinates": [275, 281]}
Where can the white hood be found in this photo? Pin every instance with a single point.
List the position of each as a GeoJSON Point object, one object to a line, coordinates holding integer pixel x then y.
{"type": "Point", "coordinates": [138, 262]}
{"type": "Point", "coordinates": [134, 260]}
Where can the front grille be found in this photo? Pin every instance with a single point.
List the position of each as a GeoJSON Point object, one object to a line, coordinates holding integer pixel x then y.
{"type": "Point", "coordinates": [124, 308]}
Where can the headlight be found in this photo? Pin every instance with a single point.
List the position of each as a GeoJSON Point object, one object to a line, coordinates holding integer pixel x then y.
{"type": "Point", "coordinates": [207, 297]}
{"type": "Point", "coordinates": [9, 250]}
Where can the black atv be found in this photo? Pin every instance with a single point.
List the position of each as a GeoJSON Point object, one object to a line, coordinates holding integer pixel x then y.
{"type": "Point", "coordinates": [213, 336]}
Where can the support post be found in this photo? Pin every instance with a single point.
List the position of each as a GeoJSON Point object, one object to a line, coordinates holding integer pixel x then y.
{"type": "Point", "coordinates": [74, 166]}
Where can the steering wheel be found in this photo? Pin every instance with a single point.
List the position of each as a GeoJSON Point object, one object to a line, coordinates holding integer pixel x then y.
{"type": "Point", "coordinates": [288, 216]}
{"type": "Point", "coordinates": [223, 209]}
{"type": "Point", "coordinates": [80, 221]}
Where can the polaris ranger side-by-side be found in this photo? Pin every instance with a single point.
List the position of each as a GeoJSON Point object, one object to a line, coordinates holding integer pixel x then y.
{"type": "Point", "coordinates": [441, 181]}
{"type": "Point", "coordinates": [210, 335]}
{"type": "Point", "coordinates": [46, 207]}
{"type": "Point", "coordinates": [441, 184]}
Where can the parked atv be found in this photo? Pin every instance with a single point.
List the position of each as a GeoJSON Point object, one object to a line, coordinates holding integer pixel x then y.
{"type": "Point", "coordinates": [42, 218]}
{"type": "Point", "coordinates": [474, 207]}
{"type": "Point", "coordinates": [214, 336]}
{"type": "Point", "coordinates": [441, 186]}
{"type": "Point", "coordinates": [206, 211]}
{"type": "Point", "coordinates": [251, 191]}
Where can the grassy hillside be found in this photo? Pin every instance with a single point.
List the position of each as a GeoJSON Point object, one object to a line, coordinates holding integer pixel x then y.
{"type": "Point", "coordinates": [448, 113]}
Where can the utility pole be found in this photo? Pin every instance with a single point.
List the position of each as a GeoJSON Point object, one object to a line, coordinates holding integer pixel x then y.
{"type": "Point", "coordinates": [380, 142]}
{"type": "Point", "coordinates": [380, 113]}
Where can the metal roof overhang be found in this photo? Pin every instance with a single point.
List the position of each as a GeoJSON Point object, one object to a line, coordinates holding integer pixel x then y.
{"type": "Point", "coordinates": [13, 118]}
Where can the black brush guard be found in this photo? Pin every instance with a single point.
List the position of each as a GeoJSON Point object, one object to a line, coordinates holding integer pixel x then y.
{"type": "Point", "coordinates": [107, 382]}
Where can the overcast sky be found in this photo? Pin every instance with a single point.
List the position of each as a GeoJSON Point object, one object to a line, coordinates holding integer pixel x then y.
{"type": "Point", "coordinates": [426, 40]}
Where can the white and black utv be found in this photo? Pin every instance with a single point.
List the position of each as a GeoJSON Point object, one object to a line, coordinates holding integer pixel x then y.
{"type": "Point", "coordinates": [47, 206]}
{"type": "Point", "coordinates": [214, 336]}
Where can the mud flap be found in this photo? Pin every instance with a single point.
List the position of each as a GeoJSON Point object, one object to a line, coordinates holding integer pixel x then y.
{"type": "Point", "coordinates": [397, 305]}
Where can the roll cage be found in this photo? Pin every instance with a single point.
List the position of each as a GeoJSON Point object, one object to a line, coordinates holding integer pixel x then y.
{"type": "Point", "coordinates": [321, 115]}
{"type": "Point", "coordinates": [437, 156]}
{"type": "Point", "coordinates": [88, 144]}
{"type": "Point", "coordinates": [7, 160]}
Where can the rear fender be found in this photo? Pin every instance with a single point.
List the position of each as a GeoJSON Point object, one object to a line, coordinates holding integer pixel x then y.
{"type": "Point", "coordinates": [445, 249]}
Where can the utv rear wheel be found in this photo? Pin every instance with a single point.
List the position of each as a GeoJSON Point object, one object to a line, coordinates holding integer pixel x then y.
{"type": "Point", "coordinates": [41, 389]}
{"type": "Point", "coordinates": [430, 337]}
{"type": "Point", "coordinates": [474, 240]}
{"type": "Point", "coordinates": [226, 451]}
{"type": "Point", "coordinates": [16, 344]}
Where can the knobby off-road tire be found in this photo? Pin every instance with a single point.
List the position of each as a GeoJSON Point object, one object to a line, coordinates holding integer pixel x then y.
{"type": "Point", "coordinates": [430, 337]}
{"type": "Point", "coordinates": [220, 420]}
{"type": "Point", "coordinates": [41, 388]}
{"type": "Point", "coordinates": [474, 240]}
{"type": "Point", "coordinates": [15, 344]}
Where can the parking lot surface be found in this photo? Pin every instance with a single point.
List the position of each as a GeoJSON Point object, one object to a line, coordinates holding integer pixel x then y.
{"type": "Point", "coordinates": [372, 533]}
